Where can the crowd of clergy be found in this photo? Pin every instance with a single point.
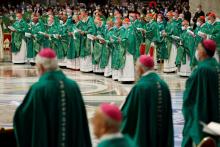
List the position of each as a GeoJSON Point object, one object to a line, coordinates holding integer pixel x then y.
{"type": "Point", "coordinates": [110, 41]}
{"type": "Point", "coordinates": [127, 47]}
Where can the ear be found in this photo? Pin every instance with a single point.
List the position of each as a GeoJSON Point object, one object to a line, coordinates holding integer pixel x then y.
{"type": "Point", "coordinates": [42, 69]}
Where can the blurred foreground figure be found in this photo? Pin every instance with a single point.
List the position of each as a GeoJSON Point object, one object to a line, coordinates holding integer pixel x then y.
{"type": "Point", "coordinates": [106, 125]}
{"type": "Point", "coordinates": [147, 111]}
{"type": "Point", "coordinates": [201, 101]}
{"type": "Point", "coordinates": [52, 113]}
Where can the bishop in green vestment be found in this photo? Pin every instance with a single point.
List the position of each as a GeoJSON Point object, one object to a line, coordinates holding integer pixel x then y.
{"type": "Point", "coordinates": [53, 39]}
{"type": "Point", "coordinates": [52, 113]}
{"type": "Point", "coordinates": [74, 44]}
{"type": "Point", "coordinates": [185, 50]}
{"type": "Point", "coordinates": [173, 28]}
{"type": "Point", "coordinates": [106, 125]}
{"type": "Point", "coordinates": [162, 52]}
{"type": "Point", "coordinates": [18, 44]}
{"type": "Point", "coordinates": [202, 95]}
{"type": "Point", "coordinates": [134, 36]}
{"type": "Point", "coordinates": [202, 28]}
{"type": "Point", "coordinates": [118, 49]}
{"type": "Point", "coordinates": [215, 33]}
{"type": "Point", "coordinates": [126, 72]}
{"type": "Point", "coordinates": [147, 111]}
{"type": "Point", "coordinates": [87, 29]}
{"type": "Point", "coordinates": [35, 39]}
{"type": "Point", "coordinates": [99, 45]}
{"type": "Point", "coordinates": [106, 58]}
{"type": "Point", "coordinates": [151, 34]}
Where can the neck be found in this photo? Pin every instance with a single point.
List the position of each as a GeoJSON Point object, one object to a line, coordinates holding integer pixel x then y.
{"type": "Point", "coordinates": [204, 58]}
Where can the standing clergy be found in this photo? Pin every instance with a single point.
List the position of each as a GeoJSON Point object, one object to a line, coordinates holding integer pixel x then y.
{"type": "Point", "coordinates": [201, 101]}
{"type": "Point", "coordinates": [53, 39]}
{"type": "Point", "coordinates": [98, 45]}
{"type": "Point", "coordinates": [106, 58]}
{"type": "Point", "coordinates": [74, 45]}
{"type": "Point", "coordinates": [87, 32]}
{"type": "Point", "coordinates": [106, 126]}
{"type": "Point", "coordinates": [35, 39]}
{"type": "Point", "coordinates": [152, 36]}
{"type": "Point", "coordinates": [18, 44]}
{"type": "Point", "coordinates": [53, 112]}
{"type": "Point", "coordinates": [147, 110]}
{"type": "Point", "coordinates": [117, 49]}
{"type": "Point", "coordinates": [126, 73]}
{"type": "Point", "coordinates": [202, 28]}
{"type": "Point", "coordinates": [134, 36]}
{"type": "Point", "coordinates": [161, 47]}
{"type": "Point", "coordinates": [185, 50]}
{"type": "Point", "coordinates": [169, 64]}
{"type": "Point", "coordinates": [214, 33]}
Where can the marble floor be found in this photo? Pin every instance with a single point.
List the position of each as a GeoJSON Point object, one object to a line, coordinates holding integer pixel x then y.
{"type": "Point", "coordinates": [15, 81]}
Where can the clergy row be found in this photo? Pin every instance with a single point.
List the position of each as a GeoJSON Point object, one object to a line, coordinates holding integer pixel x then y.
{"type": "Point", "coordinates": [53, 112]}
{"type": "Point", "coordinates": [111, 46]}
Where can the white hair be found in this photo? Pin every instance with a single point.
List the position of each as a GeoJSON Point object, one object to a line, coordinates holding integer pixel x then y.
{"type": "Point", "coordinates": [143, 66]}
{"type": "Point", "coordinates": [48, 64]}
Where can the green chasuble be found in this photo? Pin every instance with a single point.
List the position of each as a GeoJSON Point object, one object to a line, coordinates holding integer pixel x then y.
{"type": "Point", "coordinates": [21, 27]}
{"type": "Point", "coordinates": [139, 36]}
{"type": "Point", "coordinates": [215, 34]}
{"type": "Point", "coordinates": [52, 114]}
{"type": "Point", "coordinates": [177, 24]}
{"type": "Point", "coordinates": [74, 42]}
{"type": "Point", "coordinates": [201, 101]}
{"type": "Point", "coordinates": [7, 20]}
{"type": "Point", "coordinates": [119, 50]}
{"type": "Point", "coordinates": [124, 141]}
{"type": "Point", "coordinates": [123, 46]}
{"type": "Point", "coordinates": [29, 42]}
{"type": "Point", "coordinates": [107, 50]}
{"type": "Point", "coordinates": [147, 113]}
{"type": "Point", "coordinates": [66, 39]}
{"type": "Point", "coordinates": [152, 34]}
{"type": "Point", "coordinates": [98, 47]}
{"type": "Point", "coordinates": [134, 39]}
{"type": "Point", "coordinates": [204, 29]}
{"type": "Point", "coordinates": [185, 47]}
{"type": "Point", "coordinates": [55, 43]}
{"type": "Point", "coordinates": [161, 47]}
{"type": "Point", "coordinates": [35, 43]}
{"type": "Point", "coordinates": [88, 27]}
{"type": "Point", "coordinates": [168, 39]}
{"type": "Point", "coordinates": [27, 16]}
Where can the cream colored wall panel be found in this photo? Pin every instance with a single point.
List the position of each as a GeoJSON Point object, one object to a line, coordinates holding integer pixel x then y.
{"type": "Point", "coordinates": [208, 5]}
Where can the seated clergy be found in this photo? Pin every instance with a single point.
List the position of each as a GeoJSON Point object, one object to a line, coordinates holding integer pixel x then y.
{"type": "Point", "coordinates": [147, 112]}
{"type": "Point", "coordinates": [53, 112]}
{"type": "Point", "coordinates": [106, 125]}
